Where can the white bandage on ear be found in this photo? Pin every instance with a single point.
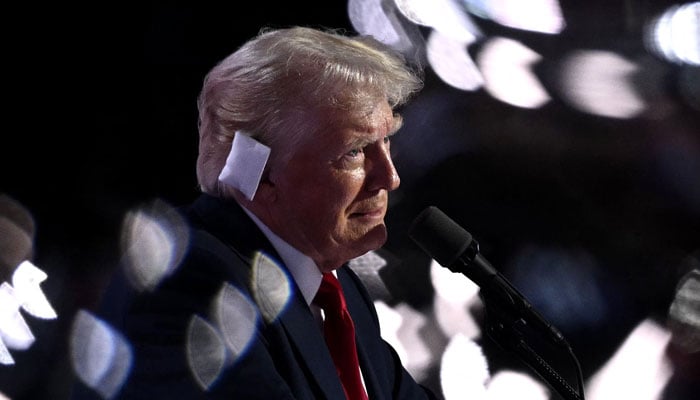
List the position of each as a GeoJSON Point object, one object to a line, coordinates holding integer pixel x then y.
{"type": "Point", "coordinates": [245, 164]}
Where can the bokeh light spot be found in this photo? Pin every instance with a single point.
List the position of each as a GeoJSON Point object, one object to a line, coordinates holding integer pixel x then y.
{"type": "Point", "coordinates": [101, 357]}
{"type": "Point", "coordinates": [270, 285]}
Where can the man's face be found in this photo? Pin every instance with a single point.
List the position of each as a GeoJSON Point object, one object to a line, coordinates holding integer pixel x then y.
{"type": "Point", "coordinates": [331, 197]}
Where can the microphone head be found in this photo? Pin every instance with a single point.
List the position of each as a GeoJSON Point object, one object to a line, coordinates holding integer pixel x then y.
{"type": "Point", "coordinates": [439, 236]}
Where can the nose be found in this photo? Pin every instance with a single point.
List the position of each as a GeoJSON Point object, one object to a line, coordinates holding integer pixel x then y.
{"type": "Point", "coordinates": [381, 172]}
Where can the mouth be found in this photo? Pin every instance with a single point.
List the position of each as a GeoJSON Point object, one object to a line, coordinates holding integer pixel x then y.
{"type": "Point", "coordinates": [373, 213]}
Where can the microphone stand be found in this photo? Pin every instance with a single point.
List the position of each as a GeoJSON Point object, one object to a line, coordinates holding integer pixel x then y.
{"type": "Point", "coordinates": [513, 333]}
{"type": "Point", "coordinates": [518, 328]}
{"type": "Point", "coordinates": [511, 320]}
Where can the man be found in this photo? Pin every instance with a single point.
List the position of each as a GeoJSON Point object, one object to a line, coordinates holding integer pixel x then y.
{"type": "Point", "coordinates": [295, 169]}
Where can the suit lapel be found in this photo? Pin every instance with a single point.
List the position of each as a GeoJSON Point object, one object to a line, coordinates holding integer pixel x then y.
{"type": "Point", "coordinates": [304, 334]}
{"type": "Point", "coordinates": [227, 220]}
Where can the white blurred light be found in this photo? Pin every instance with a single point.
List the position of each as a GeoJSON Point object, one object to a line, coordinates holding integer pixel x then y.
{"type": "Point", "coordinates": [507, 69]}
{"type": "Point", "coordinates": [14, 331]}
{"type": "Point", "coordinates": [24, 293]}
{"type": "Point", "coordinates": [402, 329]}
{"type": "Point", "coordinates": [638, 370]}
{"type": "Point", "coordinates": [367, 268]}
{"type": "Point", "coordinates": [464, 370]}
{"type": "Point", "coordinates": [455, 288]}
{"type": "Point", "coordinates": [101, 357]}
{"type": "Point", "coordinates": [675, 35]}
{"type": "Point", "coordinates": [390, 321]}
{"type": "Point", "coordinates": [684, 313]}
{"type": "Point", "coordinates": [5, 356]}
{"type": "Point", "coordinates": [26, 280]}
{"type": "Point", "coordinates": [369, 17]}
{"type": "Point", "coordinates": [370, 260]}
{"type": "Point", "coordinates": [597, 82]}
{"type": "Point", "coordinates": [543, 16]}
{"type": "Point", "coordinates": [236, 317]}
{"type": "Point", "coordinates": [454, 294]}
{"type": "Point", "coordinates": [445, 16]}
{"type": "Point", "coordinates": [505, 385]}
{"type": "Point", "coordinates": [452, 63]}
{"type": "Point", "coordinates": [270, 286]}
{"type": "Point", "coordinates": [206, 353]}
{"type": "Point", "coordinates": [154, 241]}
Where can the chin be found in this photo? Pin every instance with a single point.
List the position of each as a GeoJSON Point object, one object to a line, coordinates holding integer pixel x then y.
{"type": "Point", "coordinates": [374, 238]}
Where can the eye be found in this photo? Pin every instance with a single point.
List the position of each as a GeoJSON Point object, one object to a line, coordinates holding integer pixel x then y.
{"type": "Point", "coordinates": [387, 139]}
{"type": "Point", "coordinates": [354, 153]}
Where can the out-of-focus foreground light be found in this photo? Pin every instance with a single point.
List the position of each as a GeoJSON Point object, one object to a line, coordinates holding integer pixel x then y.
{"type": "Point", "coordinates": [214, 345]}
{"type": "Point", "coordinates": [464, 370]}
{"type": "Point", "coordinates": [236, 319]}
{"type": "Point", "coordinates": [206, 351]}
{"type": "Point", "coordinates": [402, 327]}
{"type": "Point", "coordinates": [638, 370]}
{"type": "Point", "coordinates": [598, 82]}
{"type": "Point", "coordinates": [675, 34]}
{"type": "Point", "coordinates": [452, 63]}
{"type": "Point", "coordinates": [390, 321]}
{"type": "Point", "coordinates": [14, 331]}
{"type": "Point", "coordinates": [505, 385]}
{"type": "Point", "coordinates": [454, 297]}
{"type": "Point", "coordinates": [543, 16]}
{"type": "Point", "coordinates": [17, 230]}
{"type": "Point", "coordinates": [369, 17]}
{"type": "Point", "coordinates": [5, 356]}
{"type": "Point", "coordinates": [452, 31]}
{"type": "Point", "coordinates": [684, 313]}
{"type": "Point", "coordinates": [271, 287]}
{"type": "Point", "coordinates": [506, 65]}
{"type": "Point", "coordinates": [154, 240]}
{"type": "Point", "coordinates": [367, 267]}
{"type": "Point", "coordinates": [26, 280]}
{"type": "Point", "coordinates": [25, 293]}
{"type": "Point", "coordinates": [101, 357]}
{"type": "Point", "coordinates": [445, 16]}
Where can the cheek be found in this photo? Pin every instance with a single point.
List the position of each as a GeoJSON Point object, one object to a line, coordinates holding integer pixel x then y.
{"type": "Point", "coordinates": [332, 194]}
{"type": "Point", "coordinates": [345, 187]}
{"type": "Point", "coordinates": [318, 190]}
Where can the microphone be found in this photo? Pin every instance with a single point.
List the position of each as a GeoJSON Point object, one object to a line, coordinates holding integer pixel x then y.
{"type": "Point", "coordinates": [454, 248]}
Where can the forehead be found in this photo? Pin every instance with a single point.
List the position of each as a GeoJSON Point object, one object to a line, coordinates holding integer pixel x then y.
{"type": "Point", "coordinates": [370, 124]}
{"type": "Point", "coordinates": [329, 132]}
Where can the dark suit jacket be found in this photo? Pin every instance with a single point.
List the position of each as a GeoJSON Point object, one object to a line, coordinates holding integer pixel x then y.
{"type": "Point", "coordinates": [286, 359]}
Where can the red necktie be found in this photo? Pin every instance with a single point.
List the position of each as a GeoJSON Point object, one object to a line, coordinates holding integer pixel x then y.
{"type": "Point", "coordinates": [340, 336]}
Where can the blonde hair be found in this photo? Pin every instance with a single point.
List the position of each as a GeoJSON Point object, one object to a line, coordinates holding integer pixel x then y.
{"type": "Point", "coordinates": [270, 86]}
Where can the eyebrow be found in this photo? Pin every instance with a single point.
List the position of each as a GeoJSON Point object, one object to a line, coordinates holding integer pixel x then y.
{"type": "Point", "coordinates": [360, 142]}
{"type": "Point", "coordinates": [397, 122]}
